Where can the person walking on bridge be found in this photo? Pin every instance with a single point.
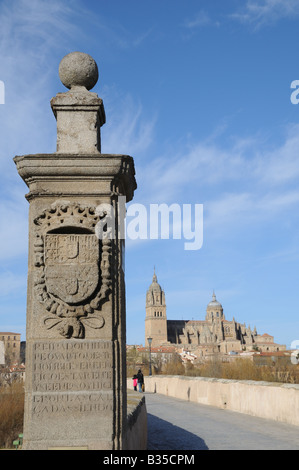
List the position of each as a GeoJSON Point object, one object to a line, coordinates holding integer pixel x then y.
{"type": "Point", "coordinates": [140, 380]}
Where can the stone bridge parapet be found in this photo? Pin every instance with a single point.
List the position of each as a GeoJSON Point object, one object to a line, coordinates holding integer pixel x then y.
{"type": "Point", "coordinates": [269, 400]}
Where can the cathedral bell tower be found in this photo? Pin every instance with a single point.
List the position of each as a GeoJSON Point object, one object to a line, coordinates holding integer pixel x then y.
{"type": "Point", "coordinates": [155, 317]}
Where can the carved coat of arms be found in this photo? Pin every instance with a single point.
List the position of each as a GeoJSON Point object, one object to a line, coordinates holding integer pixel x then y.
{"type": "Point", "coordinates": [71, 266]}
{"type": "Point", "coordinates": [73, 269]}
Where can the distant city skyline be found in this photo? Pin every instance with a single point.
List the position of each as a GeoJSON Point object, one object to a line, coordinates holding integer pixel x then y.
{"type": "Point", "coordinates": [203, 96]}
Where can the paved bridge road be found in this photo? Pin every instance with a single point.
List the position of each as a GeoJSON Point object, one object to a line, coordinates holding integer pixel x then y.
{"type": "Point", "coordinates": [175, 424]}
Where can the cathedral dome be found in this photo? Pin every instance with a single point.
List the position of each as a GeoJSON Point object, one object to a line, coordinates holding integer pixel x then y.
{"type": "Point", "coordinates": [214, 310]}
{"type": "Point", "coordinates": [214, 302]}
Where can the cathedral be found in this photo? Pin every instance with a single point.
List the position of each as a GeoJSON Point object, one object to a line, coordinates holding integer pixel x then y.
{"type": "Point", "coordinates": [206, 337]}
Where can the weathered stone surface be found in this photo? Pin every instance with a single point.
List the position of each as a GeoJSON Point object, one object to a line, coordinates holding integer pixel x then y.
{"type": "Point", "coordinates": [75, 339]}
{"type": "Point", "coordinates": [269, 400]}
{"type": "Point", "coordinates": [85, 175]}
{"type": "Point", "coordinates": [71, 394]}
{"type": "Point", "coordinates": [78, 69]}
{"type": "Point", "coordinates": [79, 113]}
{"type": "Point", "coordinates": [136, 438]}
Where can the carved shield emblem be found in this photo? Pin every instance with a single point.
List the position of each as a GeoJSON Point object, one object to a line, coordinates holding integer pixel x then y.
{"type": "Point", "coordinates": [71, 266]}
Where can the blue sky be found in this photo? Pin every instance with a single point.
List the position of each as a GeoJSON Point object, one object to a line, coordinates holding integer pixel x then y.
{"type": "Point", "coordinates": [198, 92]}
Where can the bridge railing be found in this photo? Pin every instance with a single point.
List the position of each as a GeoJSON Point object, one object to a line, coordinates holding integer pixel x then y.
{"type": "Point", "coordinates": [268, 400]}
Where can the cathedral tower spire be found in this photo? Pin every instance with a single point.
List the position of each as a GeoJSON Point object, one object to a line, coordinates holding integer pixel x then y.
{"type": "Point", "coordinates": [155, 318]}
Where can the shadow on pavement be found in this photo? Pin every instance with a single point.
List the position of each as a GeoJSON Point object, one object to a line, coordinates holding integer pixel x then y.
{"type": "Point", "coordinates": [163, 435]}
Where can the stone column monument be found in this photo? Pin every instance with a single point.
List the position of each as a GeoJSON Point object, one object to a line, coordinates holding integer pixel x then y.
{"type": "Point", "coordinates": [75, 390]}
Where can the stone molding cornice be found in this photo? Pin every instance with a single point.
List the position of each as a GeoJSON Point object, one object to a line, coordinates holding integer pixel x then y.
{"type": "Point", "coordinates": [117, 171]}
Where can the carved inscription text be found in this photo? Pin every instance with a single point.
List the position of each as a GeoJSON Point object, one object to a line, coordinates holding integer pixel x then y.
{"type": "Point", "coordinates": [62, 366]}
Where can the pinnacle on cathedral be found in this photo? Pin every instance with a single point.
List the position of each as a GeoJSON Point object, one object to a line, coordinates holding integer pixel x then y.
{"type": "Point", "coordinates": [154, 283]}
{"type": "Point", "coordinates": [155, 294]}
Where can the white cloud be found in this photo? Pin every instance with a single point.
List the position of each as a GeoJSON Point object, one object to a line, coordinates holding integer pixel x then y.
{"type": "Point", "coordinates": [281, 165]}
{"type": "Point", "coordinates": [241, 183]}
{"type": "Point", "coordinates": [203, 164]}
{"type": "Point", "coordinates": [246, 209]}
{"type": "Point", "coordinates": [260, 13]}
{"type": "Point", "coordinates": [126, 129]}
{"type": "Point", "coordinates": [32, 34]}
{"type": "Point", "coordinates": [200, 19]}
{"type": "Point", "coordinates": [24, 19]}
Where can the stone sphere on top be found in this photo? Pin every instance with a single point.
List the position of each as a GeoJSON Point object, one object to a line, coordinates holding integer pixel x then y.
{"type": "Point", "coordinates": [78, 69]}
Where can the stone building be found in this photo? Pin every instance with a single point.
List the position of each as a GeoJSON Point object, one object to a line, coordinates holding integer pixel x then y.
{"type": "Point", "coordinates": [214, 335]}
{"type": "Point", "coordinates": [12, 342]}
{"type": "Point", "coordinates": [2, 353]}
